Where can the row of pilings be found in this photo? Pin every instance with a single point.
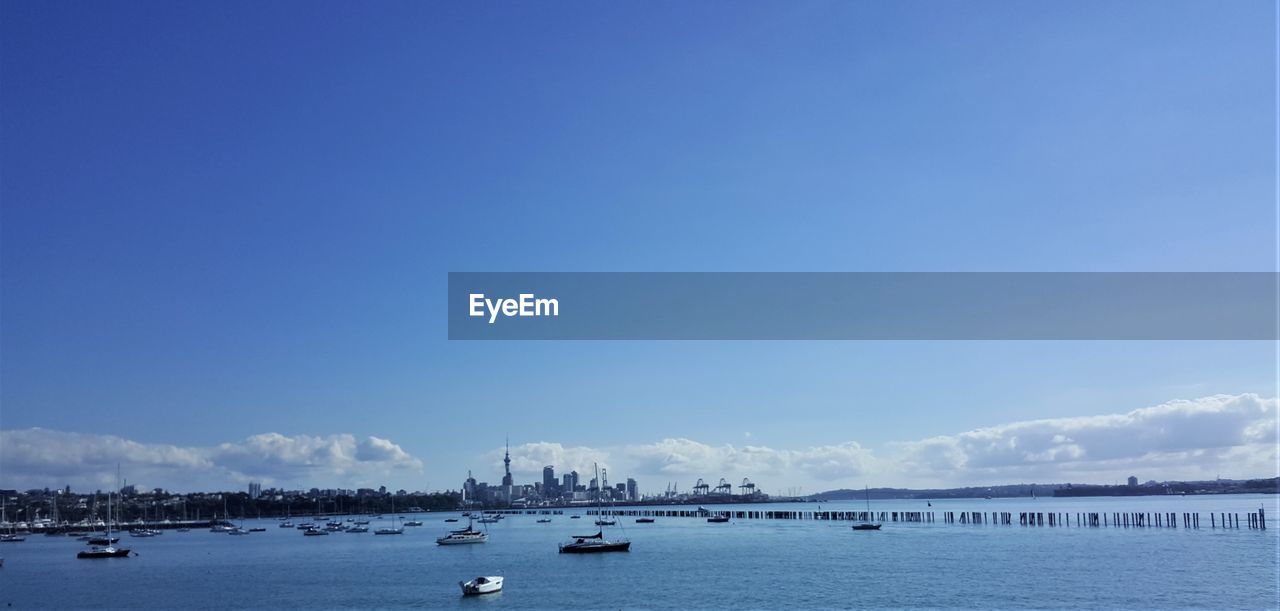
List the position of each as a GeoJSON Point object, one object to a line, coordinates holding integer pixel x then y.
{"type": "Point", "coordinates": [1252, 520]}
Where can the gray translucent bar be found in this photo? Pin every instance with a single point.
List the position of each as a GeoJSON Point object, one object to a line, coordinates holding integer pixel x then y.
{"type": "Point", "coordinates": [870, 306]}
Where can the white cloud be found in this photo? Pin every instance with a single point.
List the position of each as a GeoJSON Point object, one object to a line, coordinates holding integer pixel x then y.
{"type": "Point", "coordinates": [529, 459]}
{"type": "Point", "coordinates": [1229, 434]}
{"type": "Point", "coordinates": [39, 457]}
{"type": "Point", "coordinates": [1232, 435]}
{"type": "Point", "coordinates": [688, 458]}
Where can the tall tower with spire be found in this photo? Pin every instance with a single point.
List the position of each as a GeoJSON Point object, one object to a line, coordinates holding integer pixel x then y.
{"type": "Point", "coordinates": [506, 462]}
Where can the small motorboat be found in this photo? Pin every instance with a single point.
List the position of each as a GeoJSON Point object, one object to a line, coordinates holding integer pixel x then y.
{"type": "Point", "coordinates": [574, 517]}
{"type": "Point", "coordinates": [11, 538]}
{"type": "Point", "coordinates": [866, 526]}
{"type": "Point", "coordinates": [451, 519]}
{"type": "Point", "coordinates": [314, 532]}
{"type": "Point", "coordinates": [481, 585]}
{"type": "Point", "coordinates": [544, 521]}
{"type": "Point", "coordinates": [286, 524]}
{"type": "Point", "coordinates": [389, 531]}
{"type": "Point", "coordinates": [606, 522]}
{"type": "Point", "coordinates": [257, 529]}
{"type": "Point", "coordinates": [237, 531]}
{"type": "Point", "coordinates": [644, 520]}
{"type": "Point", "coordinates": [718, 519]}
{"type": "Point", "coordinates": [357, 529]}
{"type": "Point", "coordinates": [413, 522]}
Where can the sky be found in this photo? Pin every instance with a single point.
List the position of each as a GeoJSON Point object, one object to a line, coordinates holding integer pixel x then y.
{"type": "Point", "coordinates": [225, 233]}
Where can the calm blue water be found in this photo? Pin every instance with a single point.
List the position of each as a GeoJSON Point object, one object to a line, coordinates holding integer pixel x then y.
{"type": "Point", "coordinates": [686, 563]}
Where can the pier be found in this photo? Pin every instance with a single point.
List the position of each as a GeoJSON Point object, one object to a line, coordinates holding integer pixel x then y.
{"type": "Point", "coordinates": [1192, 520]}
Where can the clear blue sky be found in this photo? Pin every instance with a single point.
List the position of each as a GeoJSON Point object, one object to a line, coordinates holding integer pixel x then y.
{"type": "Point", "coordinates": [228, 219]}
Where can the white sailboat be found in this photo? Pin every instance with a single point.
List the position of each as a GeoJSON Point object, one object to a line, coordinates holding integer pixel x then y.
{"type": "Point", "coordinates": [393, 529]}
{"type": "Point", "coordinates": [464, 536]}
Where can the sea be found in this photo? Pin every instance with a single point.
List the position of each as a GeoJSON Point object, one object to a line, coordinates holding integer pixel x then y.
{"type": "Point", "coordinates": [687, 563]}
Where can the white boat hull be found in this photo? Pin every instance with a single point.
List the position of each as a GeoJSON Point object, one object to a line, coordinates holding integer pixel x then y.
{"type": "Point", "coordinates": [481, 585]}
{"type": "Point", "coordinates": [460, 540]}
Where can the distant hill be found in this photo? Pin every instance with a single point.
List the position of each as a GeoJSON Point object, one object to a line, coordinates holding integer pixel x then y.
{"type": "Point", "coordinates": [1005, 491]}
{"type": "Point", "coordinates": [1223, 486]}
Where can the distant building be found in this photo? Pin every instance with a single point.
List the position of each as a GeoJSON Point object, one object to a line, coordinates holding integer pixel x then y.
{"type": "Point", "coordinates": [633, 492]}
{"type": "Point", "coordinates": [548, 480]}
{"type": "Point", "coordinates": [1133, 481]}
{"type": "Point", "coordinates": [566, 482]}
{"type": "Point", "coordinates": [255, 490]}
{"type": "Point", "coordinates": [573, 481]}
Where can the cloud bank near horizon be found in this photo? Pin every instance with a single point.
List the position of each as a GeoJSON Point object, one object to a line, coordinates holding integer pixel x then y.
{"type": "Point", "coordinates": [1232, 435]}
{"type": "Point", "coordinates": [41, 457]}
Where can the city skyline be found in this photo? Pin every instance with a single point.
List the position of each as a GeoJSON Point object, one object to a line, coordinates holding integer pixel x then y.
{"type": "Point", "coordinates": [1166, 441]}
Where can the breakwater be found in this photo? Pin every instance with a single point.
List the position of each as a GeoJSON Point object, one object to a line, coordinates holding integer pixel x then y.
{"type": "Point", "coordinates": [1173, 519]}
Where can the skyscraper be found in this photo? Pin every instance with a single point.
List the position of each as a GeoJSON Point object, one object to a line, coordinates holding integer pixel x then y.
{"type": "Point", "coordinates": [548, 480]}
{"type": "Point", "coordinates": [633, 492]}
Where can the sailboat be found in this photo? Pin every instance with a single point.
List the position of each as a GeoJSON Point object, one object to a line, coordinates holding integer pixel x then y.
{"type": "Point", "coordinates": [184, 528]}
{"type": "Point", "coordinates": [392, 530]}
{"type": "Point", "coordinates": [464, 536]}
{"type": "Point", "coordinates": [12, 535]}
{"type": "Point", "coordinates": [221, 528]}
{"type": "Point", "coordinates": [144, 531]}
{"type": "Point", "coordinates": [108, 550]}
{"type": "Point", "coordinates": [590, 544]}
{"type": "Point", "coordinates": [866, 523]}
